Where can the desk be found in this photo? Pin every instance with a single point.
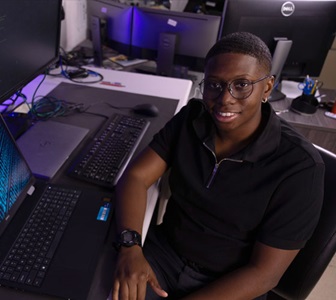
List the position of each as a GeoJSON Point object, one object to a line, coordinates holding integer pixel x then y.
{"type": "Point", "coordinates": [318, 128]}
{"type": "Point", "coordinates": [138, 87]}
{"type": "Point", "coordinates": [151, 85]}
{"type": "Point", "coordinates": [131, 83]}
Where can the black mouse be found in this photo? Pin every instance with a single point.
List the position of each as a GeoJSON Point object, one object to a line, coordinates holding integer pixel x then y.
{"type": "Point", "coordinates": [146, 109]}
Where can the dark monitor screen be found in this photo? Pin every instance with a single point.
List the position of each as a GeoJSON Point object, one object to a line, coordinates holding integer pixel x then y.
{"type": "Point", "coordinates": [195, 34]}
{"type": "Point", "coordinates": [116, 19]}
{"type": "Point", "coordinates": [309, 24]}
{"type": "Point", "coordinates": [29, 41]}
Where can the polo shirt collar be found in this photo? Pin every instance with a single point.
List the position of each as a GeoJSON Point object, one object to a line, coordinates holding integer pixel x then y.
{"type": "Point", "coordinates": [263, 146]}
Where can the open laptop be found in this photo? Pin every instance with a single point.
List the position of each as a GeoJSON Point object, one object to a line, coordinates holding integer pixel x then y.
{"type": "Point", "coordinates": [48, 144]}
{"type": "Point", "coordinates": [69, 273]}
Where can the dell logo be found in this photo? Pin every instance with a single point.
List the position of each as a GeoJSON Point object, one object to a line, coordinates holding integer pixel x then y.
{"type": "Point", "coordinates": [287, 9]}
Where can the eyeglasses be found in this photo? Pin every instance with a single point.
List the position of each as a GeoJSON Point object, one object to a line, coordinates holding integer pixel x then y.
{"type": "Point", "coordinates": [239, 88]}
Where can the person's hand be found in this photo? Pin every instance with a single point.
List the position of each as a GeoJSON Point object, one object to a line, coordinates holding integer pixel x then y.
{"type": "Point", "coordinates": [132, 274]}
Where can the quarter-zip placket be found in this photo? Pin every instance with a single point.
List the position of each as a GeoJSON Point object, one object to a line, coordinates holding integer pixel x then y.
{"type": "Point", "coordinates": [217, 163]}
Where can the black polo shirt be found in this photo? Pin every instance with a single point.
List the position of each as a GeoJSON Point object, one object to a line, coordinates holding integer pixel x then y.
{"type": "Point", "coordinates": [271, 191]}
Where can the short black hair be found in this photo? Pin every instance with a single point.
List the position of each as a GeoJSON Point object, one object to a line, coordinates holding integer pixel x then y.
{"type": "Point", "coordinates": [243, 43]}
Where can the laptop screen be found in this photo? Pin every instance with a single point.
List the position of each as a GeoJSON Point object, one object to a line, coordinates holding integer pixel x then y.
{"type": "Point", "coordinates": [15, 177]}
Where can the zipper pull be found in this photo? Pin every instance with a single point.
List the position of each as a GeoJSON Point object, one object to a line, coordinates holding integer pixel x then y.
{"type": "Point", "coordinates": [213, 174]}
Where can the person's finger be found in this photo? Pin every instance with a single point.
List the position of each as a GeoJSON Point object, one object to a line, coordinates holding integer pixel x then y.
{"type": "Point", "coordinates": [124, 291]}
{"type": "Point", "coordinates": [142, 287]}
{"type": "Point", "coordinates": [133, 292]}
{"type": "Point", "coordinates": [115, 290]}
{"type": "Point", "coordinates": [156, 286]}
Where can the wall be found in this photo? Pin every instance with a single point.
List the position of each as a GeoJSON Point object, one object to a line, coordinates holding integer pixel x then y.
{"type": "Point", "coordinates": [74, 26]}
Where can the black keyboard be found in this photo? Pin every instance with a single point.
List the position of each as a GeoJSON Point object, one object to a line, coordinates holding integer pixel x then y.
{"type": "Point", "coordinates": [103, 161]}
{"type": "Point", "coordinates": [29, 258]}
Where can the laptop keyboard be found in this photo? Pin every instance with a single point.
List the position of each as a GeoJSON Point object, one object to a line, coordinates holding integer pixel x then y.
{"type": "Point", "coordinates": [29, 258]}
{"type": "Point", "coordinates": [105, 159]}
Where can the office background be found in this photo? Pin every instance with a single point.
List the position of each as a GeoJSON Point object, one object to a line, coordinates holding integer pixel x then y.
{"type": "Point", "coordinates": [74, 31]}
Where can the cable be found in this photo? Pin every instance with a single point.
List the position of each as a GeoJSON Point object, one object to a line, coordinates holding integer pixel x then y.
{"type": "Point", "coordinates": [116, 107]}
{"type": "Point", "coordinates": [46, 107]}
{"type": "Point", "coordinates": [78, 74]}
{"type": "Point", "coordinates": [18, 95]}
{"type": "Point", "coordinates": [51, 107]}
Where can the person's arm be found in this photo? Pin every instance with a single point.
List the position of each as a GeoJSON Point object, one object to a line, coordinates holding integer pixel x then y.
{"type": "Point", "coordinates": [266, 267]}
{"type": "Point", "coordinates": [132, 270]}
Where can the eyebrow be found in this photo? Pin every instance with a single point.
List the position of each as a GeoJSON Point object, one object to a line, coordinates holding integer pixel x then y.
{"type": "Point", "coordinates": [220, 80]}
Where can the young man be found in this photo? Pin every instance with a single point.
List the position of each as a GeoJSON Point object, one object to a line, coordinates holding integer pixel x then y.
{"type": "Point", "coordinates": [246, 190]}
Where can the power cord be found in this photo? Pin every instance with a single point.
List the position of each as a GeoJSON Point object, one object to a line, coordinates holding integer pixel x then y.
{"type": "Point", "coordinates": [72, 72]}
{"type": "Point", "coordinates": [77, 74]}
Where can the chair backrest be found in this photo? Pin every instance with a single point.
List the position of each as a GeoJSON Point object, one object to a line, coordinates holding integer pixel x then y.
{"type": "Point", "coordinates": [309, 265]}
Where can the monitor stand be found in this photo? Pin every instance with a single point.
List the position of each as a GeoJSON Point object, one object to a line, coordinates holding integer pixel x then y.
{"type": "Point", "coordinates": [95, 27]}
{"type": "Point", "coordinates": [165, 60]}
{"type": "Point", "coordinates": [283, 46]}
{"type": "Point", "coordinates": [166, 52]}
{"type": "Point", "coordinates": [178, 71]}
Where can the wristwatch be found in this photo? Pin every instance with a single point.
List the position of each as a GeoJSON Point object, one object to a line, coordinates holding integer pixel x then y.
{"type": "Point", "coordinates": [128, 238]}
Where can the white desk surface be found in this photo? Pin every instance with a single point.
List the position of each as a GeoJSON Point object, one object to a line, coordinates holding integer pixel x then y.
{"type": "Point", "coordinates": [144, 84]}
{"type": "Point", "coordinates": [158, 86]}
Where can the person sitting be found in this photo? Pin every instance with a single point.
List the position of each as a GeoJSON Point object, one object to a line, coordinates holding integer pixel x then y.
{"type": "Point", "coordinates": [246, 189]}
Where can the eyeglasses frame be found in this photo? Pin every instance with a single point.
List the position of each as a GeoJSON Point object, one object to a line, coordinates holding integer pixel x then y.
{"type": "Point", "coordinates": [228, 86]}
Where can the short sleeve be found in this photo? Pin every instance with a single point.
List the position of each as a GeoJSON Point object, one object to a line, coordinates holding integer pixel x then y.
{"type": "Point", "coordinates": [294, 209]}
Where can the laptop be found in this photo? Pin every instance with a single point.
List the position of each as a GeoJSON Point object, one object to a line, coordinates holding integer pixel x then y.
{"type": "Point", "coordinates": [69, 272]}
{"type": "Point", "coordinates": [48, 144]}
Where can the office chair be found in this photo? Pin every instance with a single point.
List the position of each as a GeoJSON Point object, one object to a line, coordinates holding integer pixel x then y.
{"type": "Point", "coordinates": [309, 265]}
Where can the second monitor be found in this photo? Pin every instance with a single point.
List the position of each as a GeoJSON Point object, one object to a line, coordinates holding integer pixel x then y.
{"type": "Point", "coordinates": [305, 30]}
{"type": "Point", "coordinates": [173, 38]}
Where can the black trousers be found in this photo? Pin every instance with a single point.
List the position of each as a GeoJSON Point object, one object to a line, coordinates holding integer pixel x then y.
{"type": "Point", "coordinates": [175, 275]}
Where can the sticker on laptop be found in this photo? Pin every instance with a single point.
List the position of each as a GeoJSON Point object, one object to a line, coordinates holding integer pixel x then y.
{"type": "Point", "coordinates": [104, 212]}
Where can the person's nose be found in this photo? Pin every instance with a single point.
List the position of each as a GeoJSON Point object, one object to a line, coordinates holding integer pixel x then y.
{"type": "Point", "coordinates": [225, 97]}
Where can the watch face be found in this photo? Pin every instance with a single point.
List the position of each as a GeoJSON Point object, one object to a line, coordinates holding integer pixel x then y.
{"type": "Point", "coordinates": [130, 238]}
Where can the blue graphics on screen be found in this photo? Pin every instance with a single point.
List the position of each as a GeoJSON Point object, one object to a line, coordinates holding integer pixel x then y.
{"type": "Point", "coordinates": [14, 173]}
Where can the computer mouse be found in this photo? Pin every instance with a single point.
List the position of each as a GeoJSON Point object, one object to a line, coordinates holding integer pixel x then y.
{"type": "Point", "coordinates": [146, 109]}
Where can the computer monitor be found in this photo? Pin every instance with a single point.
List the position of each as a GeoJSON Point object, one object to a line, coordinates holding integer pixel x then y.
{"type": "Point", "coordinates": [173, 38]}
{"type": "Point", "coordinates": [308, 26]}
{"type": "Point", "coordinates": [29, 41]}
{"type": "Point", "coordinates": [115, 21]}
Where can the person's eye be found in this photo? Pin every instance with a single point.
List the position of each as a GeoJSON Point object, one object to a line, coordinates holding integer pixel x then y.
{"type": "Point", "coordinates": [213, 85]}
{"type": "Point", "coordinates": [241, 84]}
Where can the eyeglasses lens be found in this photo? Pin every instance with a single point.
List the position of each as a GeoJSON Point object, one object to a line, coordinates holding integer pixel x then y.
{"type": "Point", "coordinates": [239, 89]}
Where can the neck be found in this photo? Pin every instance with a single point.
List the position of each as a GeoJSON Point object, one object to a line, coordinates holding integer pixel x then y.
{"type": "Point", "coordinates": [229, 143]}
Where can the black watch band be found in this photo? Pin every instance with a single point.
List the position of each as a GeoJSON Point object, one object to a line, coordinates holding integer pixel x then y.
{"type": "Point", "coordinates": [128, 238]}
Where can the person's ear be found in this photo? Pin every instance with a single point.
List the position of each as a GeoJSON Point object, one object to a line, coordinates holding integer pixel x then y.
{"type": "Point", "coordinates": [269, 86]}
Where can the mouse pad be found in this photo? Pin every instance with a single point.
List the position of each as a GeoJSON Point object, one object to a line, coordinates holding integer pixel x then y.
{"type": "Point", "coordinates": [118, 101]}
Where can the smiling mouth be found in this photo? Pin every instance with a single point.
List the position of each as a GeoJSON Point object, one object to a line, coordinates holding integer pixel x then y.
{"type": "Point", "coordinates": [226, 114]}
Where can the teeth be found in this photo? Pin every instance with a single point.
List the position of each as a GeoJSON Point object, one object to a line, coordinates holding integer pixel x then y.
{"type": "Point", "coordinates": [226, 114]}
